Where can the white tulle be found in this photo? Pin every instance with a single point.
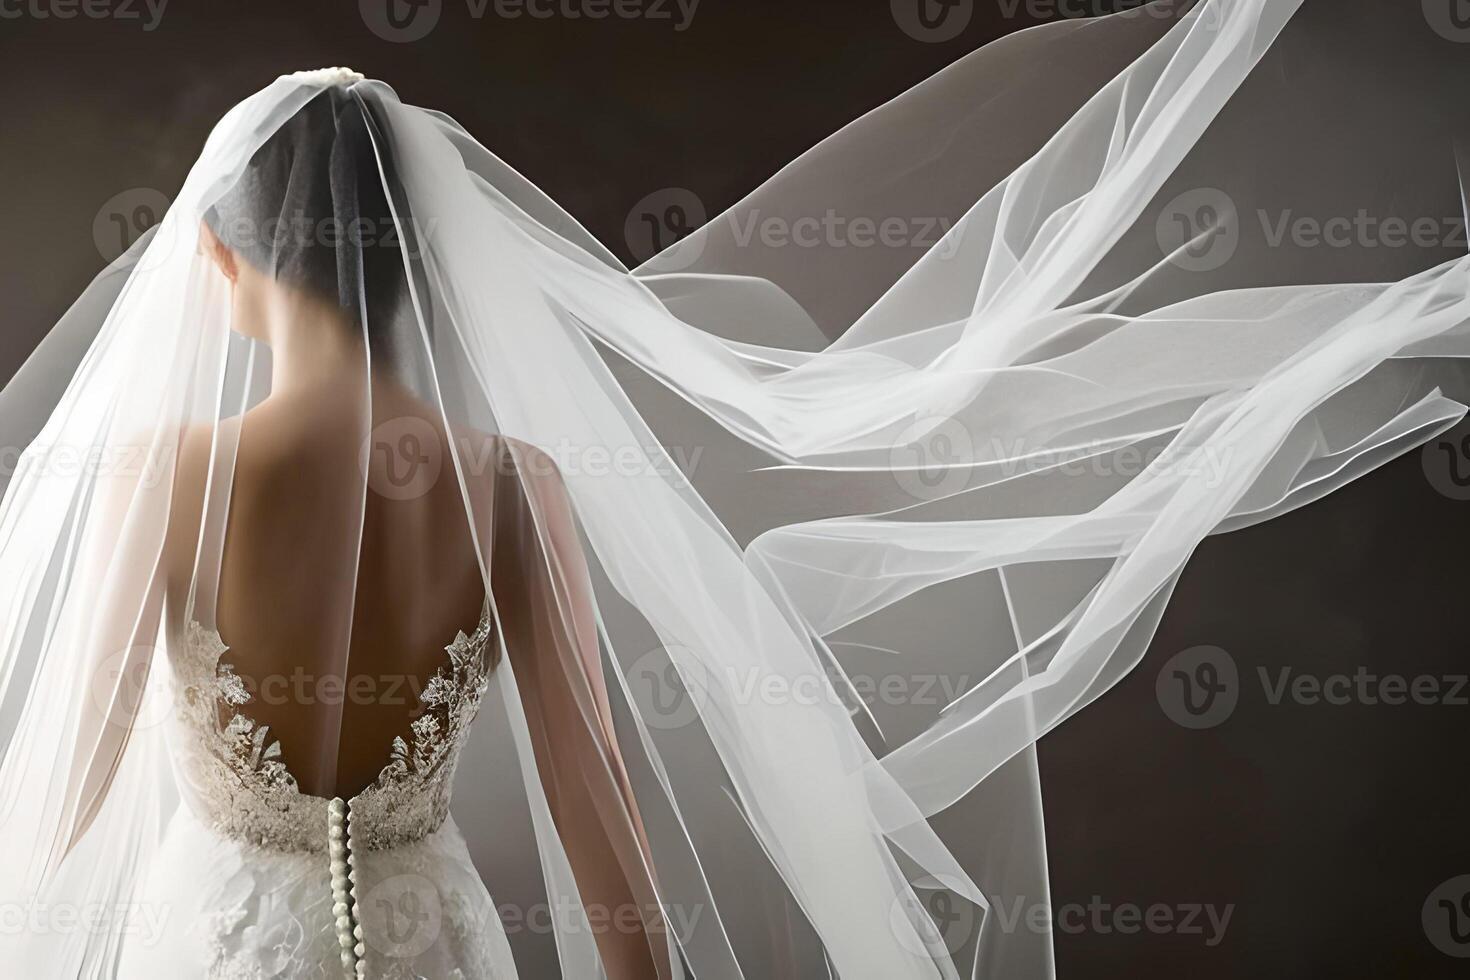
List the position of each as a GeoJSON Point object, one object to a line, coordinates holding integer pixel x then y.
{"type": "Point", "coordinates": [946, 476]}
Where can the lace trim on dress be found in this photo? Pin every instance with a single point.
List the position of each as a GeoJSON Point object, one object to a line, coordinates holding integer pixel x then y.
{"type": "Point", "coordinates": [237, 774]}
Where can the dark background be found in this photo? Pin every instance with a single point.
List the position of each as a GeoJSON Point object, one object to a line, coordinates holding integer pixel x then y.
{"type": "Point", "coordinates": [1325, 827]}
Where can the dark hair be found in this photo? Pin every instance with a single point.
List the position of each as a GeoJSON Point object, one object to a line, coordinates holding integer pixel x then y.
{"type": "Point", "coordinates": [312, 210]}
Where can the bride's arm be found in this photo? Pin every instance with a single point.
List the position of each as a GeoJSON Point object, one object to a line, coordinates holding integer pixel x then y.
{"type": "Point", "coordinates": [542, 592]}
{"type": "Point", "coordinates": [135, 533]}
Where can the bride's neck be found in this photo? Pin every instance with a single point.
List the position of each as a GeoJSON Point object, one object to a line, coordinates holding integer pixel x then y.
{"type": "Point", "coordinates": [314, 348]}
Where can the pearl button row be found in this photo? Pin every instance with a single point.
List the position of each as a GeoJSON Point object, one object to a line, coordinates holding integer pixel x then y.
{"type": "Point", "coordinates": [344, 887]}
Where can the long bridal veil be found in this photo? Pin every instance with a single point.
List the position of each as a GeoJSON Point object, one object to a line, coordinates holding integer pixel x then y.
{"type": "Point", "coordinates": [830, 510]}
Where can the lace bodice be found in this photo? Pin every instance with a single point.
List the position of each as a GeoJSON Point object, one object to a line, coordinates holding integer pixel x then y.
{"type": "Point", "coordinates": [236, 779]}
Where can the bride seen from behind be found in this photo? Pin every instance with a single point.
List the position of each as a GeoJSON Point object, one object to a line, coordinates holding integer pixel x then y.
{"type": "Point", "coordinates": [335, 595]}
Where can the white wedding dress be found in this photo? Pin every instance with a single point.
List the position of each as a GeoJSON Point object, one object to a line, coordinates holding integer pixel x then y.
{"type": "Point", "coordinates": [244, 880]}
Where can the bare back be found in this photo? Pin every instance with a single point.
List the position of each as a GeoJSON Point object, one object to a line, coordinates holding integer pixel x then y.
{"type": "Point", "coordinates": [338, 588]}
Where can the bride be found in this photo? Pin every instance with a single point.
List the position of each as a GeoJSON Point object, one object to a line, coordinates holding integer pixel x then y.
{"type": "Point", "coordinates": [322, 576]}
{"type": "Point", "coordinates": [382, 544]}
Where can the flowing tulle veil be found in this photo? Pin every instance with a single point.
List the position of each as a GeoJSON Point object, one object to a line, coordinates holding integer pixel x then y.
{"type": "Point", "coordinates": [878, 476]}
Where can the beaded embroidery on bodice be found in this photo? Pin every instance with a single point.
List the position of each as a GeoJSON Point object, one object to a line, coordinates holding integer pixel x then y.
{"type": "Point", "coordinates": [235, 775]}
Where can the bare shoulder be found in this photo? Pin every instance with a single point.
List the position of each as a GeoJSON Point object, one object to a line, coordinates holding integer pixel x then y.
{"type": "Point", "coordinates": [197, 448]}
{"type": "Point", "coordinates": [245, 448]}
{"type": "Point", "coordinates": [487, 455]}
{"type": "Point", "coordinates": [196, 452]}
{"type": "Point", "coordinates": [531, 460]}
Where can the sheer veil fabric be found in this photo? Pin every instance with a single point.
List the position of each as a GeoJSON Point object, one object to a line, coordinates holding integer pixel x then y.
{"type": "Point", "coordinates": [815, 522]}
